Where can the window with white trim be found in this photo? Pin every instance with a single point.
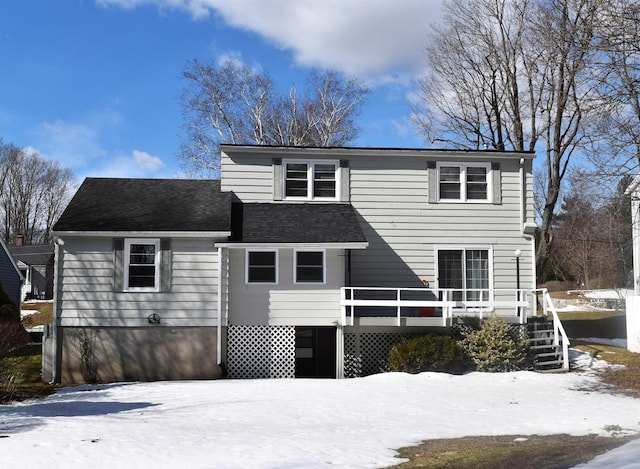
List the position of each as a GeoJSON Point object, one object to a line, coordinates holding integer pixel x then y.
{"type": "Point", "coordinates": [464, 182]}
{"type": "Point", "coordinates": [309, 266]}
{"type": "Point", "coordinates": [262, 266]}
{"type": "Point", "coordinates": [142, 265]}
{"type": "Point", "coordinates": [310, 180]}
{"type": "Point", "coordinates": [466, 271]}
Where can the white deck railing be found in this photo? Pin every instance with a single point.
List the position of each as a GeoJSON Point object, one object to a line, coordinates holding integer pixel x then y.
{"type": "Point", "coordinates": [438, 305]}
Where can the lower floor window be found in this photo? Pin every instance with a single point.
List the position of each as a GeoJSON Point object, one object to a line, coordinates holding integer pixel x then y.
{"type": "Point", "coordinates": [262, 267]}
{"type": "Point", "coordinates": [466, 272]}
{"type": "Point", "coordinates": [142, 264]}
{"type": "Point", "coordinates": [309, 267]}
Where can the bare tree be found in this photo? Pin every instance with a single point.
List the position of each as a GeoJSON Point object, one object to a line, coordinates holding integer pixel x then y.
{"type": "Point", "coordinates": [513, 75]}
{"type": "Point", "coordinates": [593, 242]}
{"type": "Point", "coordinates": [33, 194]}
{"type": "Point", "coordinates": [234, 103]}
{"type": "Point", "coordinates": [615, 144]}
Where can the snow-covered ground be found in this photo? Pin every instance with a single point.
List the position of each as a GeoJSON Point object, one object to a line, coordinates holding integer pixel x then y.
{"type": "Point", "coordinates": [355, 423]}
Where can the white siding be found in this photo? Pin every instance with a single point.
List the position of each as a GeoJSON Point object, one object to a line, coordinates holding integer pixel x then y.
{"type": "Point", "coordinates": [404, 227]}
{"type": "Point", "coordinates": [86, 295]}
{"type": "Point", "coordinates": [285, 303]}
{"type": "Point", "coordinates": [390, 191]}
{"type": "Point", "coordinates": [253, 176]}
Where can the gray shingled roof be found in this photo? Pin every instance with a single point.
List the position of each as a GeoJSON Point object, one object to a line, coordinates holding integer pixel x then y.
{"type": "Point", "coordinates": [296, 223]}
{"type": "Point", "coordinates": [107, 204]}
{"type": "Point", "coordinates": [33, 254]}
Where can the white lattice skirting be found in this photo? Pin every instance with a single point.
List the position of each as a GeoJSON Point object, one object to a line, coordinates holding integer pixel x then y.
{"type": "Point", "coordinates": [261, 352]}
{"type": "Point", "coordinates": [366, 353]}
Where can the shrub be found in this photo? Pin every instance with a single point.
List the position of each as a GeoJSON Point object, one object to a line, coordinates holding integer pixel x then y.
{"type": "Point", "coordinates": [428, 353]}
{"type": "Point", "coordinates": [12, 335]}
{"type": "Point", "coordinates": [496, 346]}
{"type": "Point", "coordinates": [9, 312]}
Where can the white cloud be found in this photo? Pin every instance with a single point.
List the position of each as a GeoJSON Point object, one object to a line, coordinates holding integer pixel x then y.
{"type": "Point", "coordinates": [79, 146]}
{"type": "Point", "coordinates": [146, 162]}
{"type": "Point", "coordinates": [380, 40]}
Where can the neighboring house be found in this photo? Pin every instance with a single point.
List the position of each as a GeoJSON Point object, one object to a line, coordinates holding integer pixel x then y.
{"type": "Point", "coordinates": [11, 277]}
{"type": "Point", "coordinates": [36, 264]}
{"type": "Point", "coordinates": [633, 301]}
{"type": "Point", "coordinates": [299, 262]}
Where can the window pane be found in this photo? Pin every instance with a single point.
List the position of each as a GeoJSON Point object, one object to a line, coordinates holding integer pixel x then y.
{"type": "Point", "coordinates": [142, 276]}
{"type": "Point", "coordinates": [477, 273]}
{"type": "Point", "coordinates": [296, 183]}
{"type": "Point", "coordinates": [142, 258]}
{"type": "Point", "coordinates": [476, 174]}
{"type": "Point", "coordinates": [262, 274]}
{"type": "Point", "coordinates": [309, 266]}
{"type": "Point", "coordinates": [450, 182]}
{"type": "Point", "coordinates": [258, 258]}
{"type": "Point", "coordinates": [324, 180]}
{"type": "Point", "coordinates": [262, 267]}
{"type": "Point", "coordinates": [450, 271]}
{"type": "Point", "coordinates": [476, 183]}
{"type": "Point", "coordinates": [449, 191]}
{"type": "Point", "coordinates": [449, 174]}
{"type": "Point", "coordinates": [476, 191]}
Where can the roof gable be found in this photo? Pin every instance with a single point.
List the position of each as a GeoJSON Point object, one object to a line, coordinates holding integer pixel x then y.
{"type": "Point", "coordinates": [147, 205]}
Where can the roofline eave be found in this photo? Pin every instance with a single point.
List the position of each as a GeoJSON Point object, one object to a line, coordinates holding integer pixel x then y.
{"type": "Point", "coordinates": [345, 245]}
{"type": "Point", "coordinates": [142, 234]}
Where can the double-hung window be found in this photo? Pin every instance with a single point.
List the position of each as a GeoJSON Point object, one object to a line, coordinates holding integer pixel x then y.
{"type": "Point", "coordinates": [142, 265]}
{"type": "Point", "coordinates": [466, 271]}
{"type": "Point", "coordinates": [309, 267]}
{"type": "Point", "coordinates": [464, 182]}
{"type": "Point", "coordinates": [310, 180]}
{"type": "Point", "coordinates": [262, 266]}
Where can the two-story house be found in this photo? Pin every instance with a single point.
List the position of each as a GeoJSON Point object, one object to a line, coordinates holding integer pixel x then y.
{"type": "Point", "coordinates": [298, 262]}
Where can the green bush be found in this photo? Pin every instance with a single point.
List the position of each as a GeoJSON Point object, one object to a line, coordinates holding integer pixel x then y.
{"type": "Point", "coordinates": [428, 353]}
{"type": "Point", "coordinates": [496, 346]}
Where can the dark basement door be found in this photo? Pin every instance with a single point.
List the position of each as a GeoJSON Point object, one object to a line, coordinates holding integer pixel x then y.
{"type": "Point", "coordinates": [315, 352]}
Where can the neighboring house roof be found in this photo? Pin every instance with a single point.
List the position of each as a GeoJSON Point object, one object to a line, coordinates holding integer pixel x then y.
{"type": "Point", "coordinates": [37, 254]}
{"type": "Point", "coordinates": [147, 205]}
{"type": "Point", "coordinates": [273, 223]}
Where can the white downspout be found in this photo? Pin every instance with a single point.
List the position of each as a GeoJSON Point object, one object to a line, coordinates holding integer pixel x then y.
{"type": "Point", "coordinates": [523, 216]}
{"type": "Point", "coordinates": [56, 372]}
{"type": "Point", "coordinates": [221, 252]}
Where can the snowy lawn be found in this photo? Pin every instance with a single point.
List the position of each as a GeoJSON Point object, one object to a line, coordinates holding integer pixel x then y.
{"type": "Point", "coordinates": [300, 423]}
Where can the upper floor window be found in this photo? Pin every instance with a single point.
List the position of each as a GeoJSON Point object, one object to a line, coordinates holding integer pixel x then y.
{"type": "Point", "coordinates": [464, 182]}
{"type": "Point", "coordinates": [310, 179]}
{"type": "Point", "coordinates": [142, 265]}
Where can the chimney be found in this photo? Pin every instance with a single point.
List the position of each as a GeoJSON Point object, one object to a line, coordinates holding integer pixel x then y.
{"type": "Point", "coordinates": [19, 239]}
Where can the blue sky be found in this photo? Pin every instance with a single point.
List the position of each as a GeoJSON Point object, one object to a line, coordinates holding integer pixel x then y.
{"type": "Point", "coordinates": [95, 84]}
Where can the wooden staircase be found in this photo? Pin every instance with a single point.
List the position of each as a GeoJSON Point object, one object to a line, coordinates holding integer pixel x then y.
{"type": "Point", "coordinates": [546, 346]}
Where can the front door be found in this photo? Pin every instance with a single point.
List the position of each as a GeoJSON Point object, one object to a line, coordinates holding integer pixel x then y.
{"type": "Point", "coordinates": [315, 352]}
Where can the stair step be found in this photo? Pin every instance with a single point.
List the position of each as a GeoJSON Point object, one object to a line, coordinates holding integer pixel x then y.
{"type": "Point", "coordinates": [553, 370]}
{"type": "Point", "coordinates": [544, 346]}
{"type": "Point", "coordinates": [548, 363]}
{"type": "Point", "coordinates": [548, 354]}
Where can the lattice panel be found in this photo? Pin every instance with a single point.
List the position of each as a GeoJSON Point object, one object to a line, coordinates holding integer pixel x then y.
{"type": "Point", "coordinates": [366, 354]}
{"type": "Point", "coordinates": [261, 351]}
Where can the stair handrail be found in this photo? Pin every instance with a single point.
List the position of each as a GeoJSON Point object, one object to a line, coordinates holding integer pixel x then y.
{"type": "Point", "coordinates": [558, 328]}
